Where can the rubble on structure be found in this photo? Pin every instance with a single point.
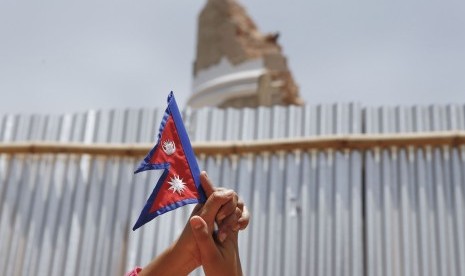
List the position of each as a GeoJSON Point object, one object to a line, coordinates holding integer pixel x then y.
{"type": "Point", "coordinates": [226, 30]}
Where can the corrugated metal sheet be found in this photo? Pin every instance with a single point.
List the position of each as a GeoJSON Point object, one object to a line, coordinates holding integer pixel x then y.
{"type": "Point", "coordinates": [415, 197]}
{"type": "Point", "coordinates": [306, 206]}
{"type": "Point", "coordinates": [390, 212]}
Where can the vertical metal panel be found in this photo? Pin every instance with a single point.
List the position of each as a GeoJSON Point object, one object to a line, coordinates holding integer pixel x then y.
{"type": "Point", "coordinates": [292, 179]}
{"type": "Point", "coordinates": [64, 186]}
{"type": "Point", "coordinates": [257, 205]}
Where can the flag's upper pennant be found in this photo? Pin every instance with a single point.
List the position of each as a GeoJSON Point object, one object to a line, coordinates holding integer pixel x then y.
{"type": "Point", "coordinates": [180, 182]}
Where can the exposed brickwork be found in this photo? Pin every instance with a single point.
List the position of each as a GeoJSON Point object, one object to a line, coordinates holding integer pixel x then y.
{"type": "Point", "coordinates": [226, 30]}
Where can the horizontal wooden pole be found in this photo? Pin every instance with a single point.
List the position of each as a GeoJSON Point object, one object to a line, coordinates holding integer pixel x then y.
{"type": "Point", "coordinates": [334, 142]}
{"type": "Point", "coordinates": [74, 148]}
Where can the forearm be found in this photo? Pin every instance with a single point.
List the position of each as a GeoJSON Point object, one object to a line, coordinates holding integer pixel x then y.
{"type": "Point", "coordinates": [173, 261]}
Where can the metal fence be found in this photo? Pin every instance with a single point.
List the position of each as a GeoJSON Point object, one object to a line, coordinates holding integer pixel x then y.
{"type": "Point", "coordinates": [396, 211]}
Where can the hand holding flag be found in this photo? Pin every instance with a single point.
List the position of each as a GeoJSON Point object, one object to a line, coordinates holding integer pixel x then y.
{"type": "Point", "coordinates": [196, 245]}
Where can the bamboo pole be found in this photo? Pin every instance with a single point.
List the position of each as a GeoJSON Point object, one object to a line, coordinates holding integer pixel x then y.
{"type": "Point", "coordinates": [39, 147]}
{"type": "Point", "coordinates": [334, 142]}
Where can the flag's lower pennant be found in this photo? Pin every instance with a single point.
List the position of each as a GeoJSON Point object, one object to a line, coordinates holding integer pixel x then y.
{"type": "Point", "coordinates": [180, 182]}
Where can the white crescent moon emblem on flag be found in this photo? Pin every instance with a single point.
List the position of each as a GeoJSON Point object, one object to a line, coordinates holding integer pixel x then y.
{"type": "Point", "coordinates": [169, 147]}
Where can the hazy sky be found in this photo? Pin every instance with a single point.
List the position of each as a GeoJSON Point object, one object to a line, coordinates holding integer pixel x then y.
{"type": "Point", "coordinates": [63, 56]}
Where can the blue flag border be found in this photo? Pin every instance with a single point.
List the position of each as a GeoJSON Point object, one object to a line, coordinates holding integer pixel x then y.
{"type": "Point", "coordinates": [145, 216]}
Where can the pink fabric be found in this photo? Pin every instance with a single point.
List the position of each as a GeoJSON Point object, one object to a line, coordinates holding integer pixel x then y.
{"type": "Point", "coordinates": [134, 272]}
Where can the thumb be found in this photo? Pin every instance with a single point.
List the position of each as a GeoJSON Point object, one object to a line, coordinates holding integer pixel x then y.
{"type": "Point", "coordinates": [204, 240]}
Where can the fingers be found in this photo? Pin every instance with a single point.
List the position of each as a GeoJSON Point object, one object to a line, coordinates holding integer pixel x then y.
{"type": "Point", "coordinates": [243, 221]}
{"type": "Point", "coordinates": [239, 221]}
{"type": "Point", "coordinates": [213, 204]}
{"type": "Point", "coordinates": [228, 208]}
{"type": "Point", "coordinates": [204, 239]}
{"type": "Point", "coordinates": [224, 203]}
{"type": "Point", "coordinates": [207, 185]}
{"type": "Point", "coordinates": [234, 222]}
{"type": "Point", "coordinates": [229, 224]}
{"type": "Point", "coordinates": [209, 189]}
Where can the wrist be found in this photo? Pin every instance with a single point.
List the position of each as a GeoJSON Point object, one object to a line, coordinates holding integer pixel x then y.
{"type": "Point", "coordinates": [186, 257]}
{"type": "Point", "coordinates": [175, 260]}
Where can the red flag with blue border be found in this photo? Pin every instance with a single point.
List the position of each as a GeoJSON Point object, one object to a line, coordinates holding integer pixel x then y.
{"type": "Point", "coordinates": [180, 182]}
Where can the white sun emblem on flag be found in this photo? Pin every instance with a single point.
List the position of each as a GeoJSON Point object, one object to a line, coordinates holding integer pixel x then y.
{"type": "Point", "coordinates": [169, 147]}
{"type": "Point", "coordinates": [177, 185]}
